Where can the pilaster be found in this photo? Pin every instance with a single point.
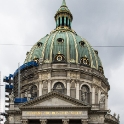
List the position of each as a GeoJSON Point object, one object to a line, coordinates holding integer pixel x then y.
{"type": "Point", "coordinates": [77, 90]}
{"type": "Point", "coordinates": [93, 95]}
{"type": "Point", "coordinates": [65, 121]}
{"type": "Point", "coordinates": [84, 121]}
{"type": "Point", "coordinates": [106, 102]}
{"type": "Point", "coordinates": [49, 86]}
{"type": "Point", "coordinates": [40, 88]}
{"type": "Point", "coordinates": [68, 87]}
{"type": "Point", "coordinates": [99, 95]}
{"type": "Point", "coordinates": [44, 121]}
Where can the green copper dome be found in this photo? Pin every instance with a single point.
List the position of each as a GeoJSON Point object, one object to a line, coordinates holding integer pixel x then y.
{"type": "Point", "coordinates": [63, 45]}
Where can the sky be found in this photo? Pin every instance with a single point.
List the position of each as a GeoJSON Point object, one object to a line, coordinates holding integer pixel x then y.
{"type": "Point", "coordinates": [100, 22]}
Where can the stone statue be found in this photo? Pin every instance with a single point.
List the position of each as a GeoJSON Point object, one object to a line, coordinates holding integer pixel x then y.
{"type": "Point", "coordinates": [11, 97]}
{"type": "Point", "coordinates": [29, 97]}
{"type": "Point", "coordinates": [114, 115]}
{"type": "Point", "coordinates": [83, 96]}
{"type": "Point", "coordinates": [26, 94]}
{"type": "Point", "coordinates": [102, 99]}
{"type": "Point", "coordinates": [109, 111]}
{"type": "Point", "coordinates": [118, 117]}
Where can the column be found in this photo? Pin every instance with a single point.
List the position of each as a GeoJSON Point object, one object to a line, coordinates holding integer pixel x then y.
{"type": "Point", "coordinates": [43, 121]}
{"type": "Point", "coordinates": [65, 21]}
{"type": "Point", "coordinates": [40, 88]}
{"type": "Point", "coordinates": [99, 95]}
{"type": "Point", "coordinates": [24, 121]}
{"type": "Point", "coordinates": [49, 86]}
{"type": "Point", "coordinates": [77, 90]}
{"type": "Point", "coordinates": [106, 103]}
{"type": "Point", "coordinates": [84, 121]}
{"type": "Point", "coordinates": [60, 21]}
{"type": "Point", "coordinates": [57, 23]}
{"type": "Point", "coordinates": [93, 95]}
{"type": "Point", "coordinates": [68, 87]}
{"type": "Point", "coordinates": [65, 121]}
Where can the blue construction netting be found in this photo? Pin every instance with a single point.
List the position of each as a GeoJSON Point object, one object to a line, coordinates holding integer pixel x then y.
{"type": "Point", "coordinates": [20, 100]}
{"type": "Point", "coordinates": [9, 87]}
{"type": "Point", "coordinates": [26, 65]}
{"type": "Point", "coordinates": [7, 79]}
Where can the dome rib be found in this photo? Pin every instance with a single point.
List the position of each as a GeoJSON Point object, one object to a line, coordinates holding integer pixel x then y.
{"type": "Point", "coordinates": [68, 50]}
{"type": "Point", "coordinates": [51, 47]}
{"type": "Point", "coordinates": [91, 61]}
{"type": "Point", "coordinates": [95, 58]}
{"type": "Point", "coordinates": [75, 47]}
{"type": "Point", "coordinates": [44, 47]}
{"type": "Point", "coordinates": [32, 50]}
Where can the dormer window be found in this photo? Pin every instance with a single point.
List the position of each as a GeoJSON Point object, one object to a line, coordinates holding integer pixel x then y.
{"type": "Point", "coordinates": [82, 43]}
{"type": "Point", "coordinates": [59, 58]}
{"type": "Point", "coordinates": [85, 61]}
{"type": "Point", "coordinates": [36, 60]}
{"type": "Point", "coordinates": [101, 69]}
{"type": "Point", "coordinates": [60, 40]}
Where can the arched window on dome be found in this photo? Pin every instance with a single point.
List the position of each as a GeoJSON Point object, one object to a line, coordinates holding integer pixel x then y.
{"type": "Point", "coordinates": [39, 44]}
{"type": "Point", "coordinates": [33, 91]}
{"type": "Point", "coordinates": [59, 87]}
{"type": "Point", "coordinates": [66, 21]}
{"type": "Point", "coordinates": [85, 61]}
{"type": "Point", "coordinates": [62, 21]}
{"type": "Point", "coordinates": [59, 58]}
{"type": "Point", "coordinates": [36, 59]}
{"type": "Point", "coordinates": [59, 21]}
{"type": "Point", "coordinates": [85, 94]}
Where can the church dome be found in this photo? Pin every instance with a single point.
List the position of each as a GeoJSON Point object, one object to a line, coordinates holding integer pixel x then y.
{"type": "Point", "coordinates": [63, 45]}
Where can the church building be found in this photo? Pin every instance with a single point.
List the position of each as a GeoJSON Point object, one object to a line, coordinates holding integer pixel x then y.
{"type": "Point", "coordinates": [62, 81]}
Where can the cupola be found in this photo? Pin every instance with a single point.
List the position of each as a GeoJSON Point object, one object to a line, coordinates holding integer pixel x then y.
{"type": "Point", "coordinates": [63, 17]}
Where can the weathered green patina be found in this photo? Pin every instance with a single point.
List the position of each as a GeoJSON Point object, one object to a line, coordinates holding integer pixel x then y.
{"type": "Point", "coordinates": [71, 47]}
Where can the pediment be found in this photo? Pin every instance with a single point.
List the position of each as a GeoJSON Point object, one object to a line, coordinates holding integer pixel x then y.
{"type": "Point", "coordinates": [53, 99]}
{"type": "Point", "coordinates": [55, 102]}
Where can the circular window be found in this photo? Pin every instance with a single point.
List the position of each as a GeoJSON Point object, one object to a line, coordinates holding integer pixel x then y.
{"type": "Point", "coordinates": [82, 43]}
{"type": "Point", "coordinates": [39, 44]}
{"type": "Point", "coordinates": [59, 58]}
{"type": "Point", "coordinates": [60, 40]}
